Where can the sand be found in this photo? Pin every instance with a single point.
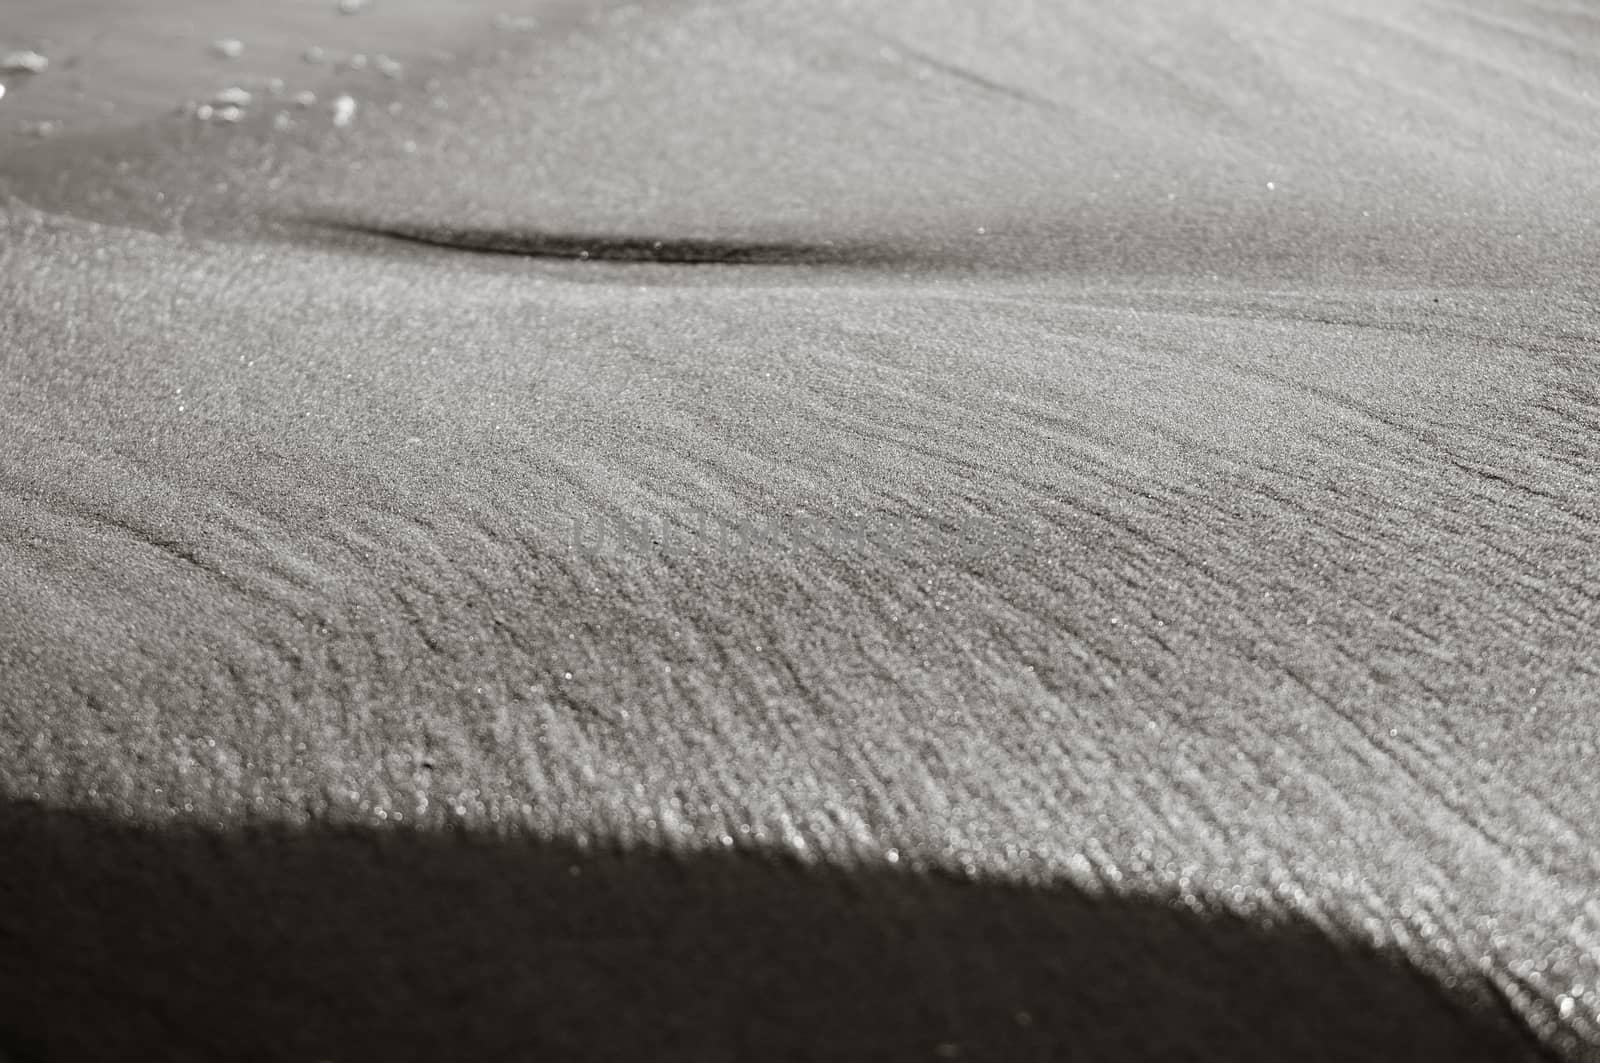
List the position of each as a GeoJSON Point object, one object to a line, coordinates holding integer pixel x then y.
{"type": "Point", "coordinates": [805, 531]}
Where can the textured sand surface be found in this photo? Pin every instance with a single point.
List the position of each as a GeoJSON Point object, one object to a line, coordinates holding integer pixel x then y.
{"type": "Point", "coordinates": [811, 531]}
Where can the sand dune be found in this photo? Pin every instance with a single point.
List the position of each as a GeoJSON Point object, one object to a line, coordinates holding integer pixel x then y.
{"type": "Point", "coordinates": [1092, 505]}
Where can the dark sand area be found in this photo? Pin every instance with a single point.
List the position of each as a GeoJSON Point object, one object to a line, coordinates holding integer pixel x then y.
{"type": "Point", "coordinates": [939, 512]}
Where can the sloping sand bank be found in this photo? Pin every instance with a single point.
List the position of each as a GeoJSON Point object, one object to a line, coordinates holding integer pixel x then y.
{"type": "Point", "coordinates": [827, 531]}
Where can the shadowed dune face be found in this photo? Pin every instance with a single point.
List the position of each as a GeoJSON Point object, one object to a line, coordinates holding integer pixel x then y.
{"type": "Point", "coordinates": [1123, 452]}
{"type": "Point", "coordinates": [355, 945]}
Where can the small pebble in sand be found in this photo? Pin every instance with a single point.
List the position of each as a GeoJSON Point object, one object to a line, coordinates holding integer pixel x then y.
{"type": "Point", "coordinates": [2, 92]}
{"type": "Point", "coordinates": [204, 112]}
{"type": "Point", "coordinates": [344, 110]}
{"type": "Point", "coordinates": [42, 129]}
{"type": "Point", "coordinates": [305, 98]}
{"type": "Point", "coordinates": [389, 68]}
{"type": "Point", "coordinates": [357, 61]}
{"type": "Point", "coordinates": [282, 120]}
{"type": "Point", "coordinates": [352, 7]}
{"type": "Point", "coordinates": [315, 54]}
{"type": "Point", "coordinates": [228, 47]}
{"type": "Point", "coordinates": [23, 62]}
{"type": "Point", "coordinates": [229, 114]}
{"type": "Point", "coordinates": [232, 97]}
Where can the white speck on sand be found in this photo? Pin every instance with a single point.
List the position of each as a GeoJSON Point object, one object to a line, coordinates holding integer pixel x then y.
{"type": "Point", "coordinates": [23, 62]}
{"type": "Point", "coordinates": [344, 110]}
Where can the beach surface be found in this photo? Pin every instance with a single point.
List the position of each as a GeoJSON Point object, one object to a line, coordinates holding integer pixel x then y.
{"type": "Point", "coordinates": [839, 530]}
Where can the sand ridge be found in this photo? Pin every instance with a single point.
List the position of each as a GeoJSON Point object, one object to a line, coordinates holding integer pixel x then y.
{"type": "Point", "coordinates": [1194, 567]}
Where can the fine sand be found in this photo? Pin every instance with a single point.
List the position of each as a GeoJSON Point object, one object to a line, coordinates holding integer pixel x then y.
{"type": "Point", "coordinates": [832, 530]}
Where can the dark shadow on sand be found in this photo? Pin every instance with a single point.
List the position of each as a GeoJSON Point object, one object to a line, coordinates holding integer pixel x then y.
{"type": "Point", "coordinates": [122, 943]}
{"type": "Point", "coordinates": [621, 247]}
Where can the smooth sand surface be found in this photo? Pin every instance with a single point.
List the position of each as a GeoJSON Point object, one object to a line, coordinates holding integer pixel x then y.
{"type": "Point", "coordinates": [776, 530]}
